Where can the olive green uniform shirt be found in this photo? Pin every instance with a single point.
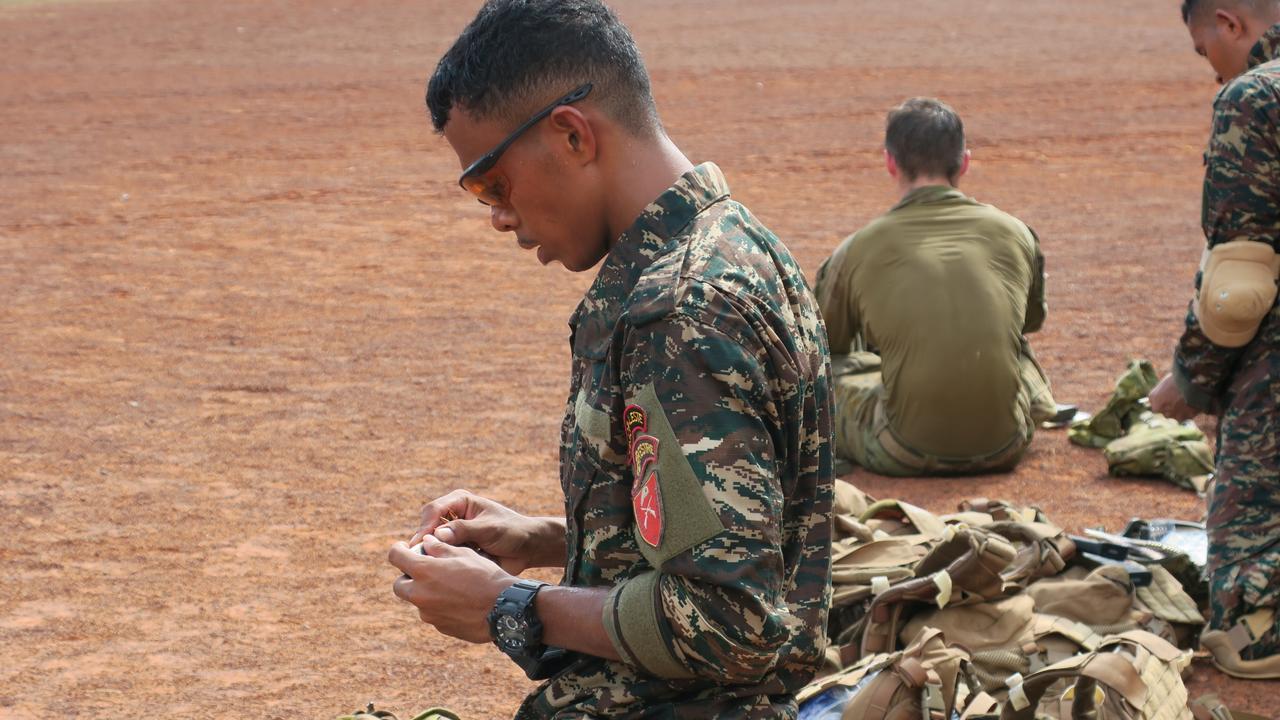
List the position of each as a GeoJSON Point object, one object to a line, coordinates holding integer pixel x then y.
{"type": "Point", "coordinates": [943, 287]}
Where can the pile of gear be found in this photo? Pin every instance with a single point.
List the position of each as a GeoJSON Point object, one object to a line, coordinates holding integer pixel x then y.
{"type": "Point", "coordinates": [993, 611]}
{"type": "Point", "coordinates": [1139, 442]}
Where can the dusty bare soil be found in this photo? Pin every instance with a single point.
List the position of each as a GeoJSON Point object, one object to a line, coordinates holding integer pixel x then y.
{"type": "Point", "coordinates": [249, 324]}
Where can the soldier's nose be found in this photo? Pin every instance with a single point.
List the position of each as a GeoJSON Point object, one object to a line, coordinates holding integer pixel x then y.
{"type": "Point", "coordinates": [503, 219]}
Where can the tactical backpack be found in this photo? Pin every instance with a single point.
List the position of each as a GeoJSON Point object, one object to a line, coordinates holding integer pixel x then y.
{"type": "Point", "coordinates": [925, 680]}
{"type": "Point", "coordinates": [1052, 621]}
{"type": "Point", "coordinates": [1131, 676]}
{"type": "Point", "coordinates": [1162, 447]}
{"type": "Point", "coordinates": [896, 559]}
{"type": "Point", "coordinates": [1033, 617]}
{"type": "Point", "coordinates": [1138, 442]}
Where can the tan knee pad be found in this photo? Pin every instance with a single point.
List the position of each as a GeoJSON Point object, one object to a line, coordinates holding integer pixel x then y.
{"type": "Point", "coordinates": [1226, 645]}
{"type": "Point", "coordinates": [1237, 290]}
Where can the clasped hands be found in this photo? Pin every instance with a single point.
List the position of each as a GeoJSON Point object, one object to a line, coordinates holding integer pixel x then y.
{"type": "Point", "coordinates": [472, 549]}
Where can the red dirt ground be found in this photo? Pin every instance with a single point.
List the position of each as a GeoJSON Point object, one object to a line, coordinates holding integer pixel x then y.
{"type": "Point", "coordinates": [250, 324]}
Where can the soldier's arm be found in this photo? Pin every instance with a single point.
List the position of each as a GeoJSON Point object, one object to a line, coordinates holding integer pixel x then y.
{"type": "Point", "coordinates": [710, 600]}
{"type": "Point", "coordinates": [1241, 195]}
{"type": "Point", "coordinates": [836, 302]}
{"type": "Point", "coordinates": [1037, 308]}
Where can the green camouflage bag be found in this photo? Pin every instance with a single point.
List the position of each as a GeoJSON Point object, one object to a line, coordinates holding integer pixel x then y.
{"type": "Point", "coordinates": [1113, 420]}
{"type": "Point", "coordinates": [1157, 446]}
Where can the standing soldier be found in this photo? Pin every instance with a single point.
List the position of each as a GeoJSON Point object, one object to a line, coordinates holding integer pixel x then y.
{"type": "Point", "coordinates": [1228, 360]}
{"type": "Point", "coordinates": [695, 456]}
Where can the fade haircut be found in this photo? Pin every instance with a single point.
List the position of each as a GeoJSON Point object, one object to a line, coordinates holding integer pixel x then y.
{"type": "Point", "coordinates": [1197, 8]}
{"type": "Point", "coordinates": [925, 137]}
{"type": "Point", "coordinates": [518, 55]}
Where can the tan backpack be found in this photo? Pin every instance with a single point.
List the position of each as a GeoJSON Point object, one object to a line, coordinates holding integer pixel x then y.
{"type": "Point", "coordinates": [976, 558]}
{"type": "Point", "coordinates": [1131, 676]}
{"type": "Point", "coordinates": [927, 680]}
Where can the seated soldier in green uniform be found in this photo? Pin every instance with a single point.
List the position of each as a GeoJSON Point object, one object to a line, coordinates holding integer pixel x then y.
{"type": "Point", "coordinates": [695, 453]}
{"type": "Point", "coordinates": [926, 310]}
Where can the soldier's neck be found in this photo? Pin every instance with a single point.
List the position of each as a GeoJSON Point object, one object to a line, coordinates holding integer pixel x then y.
{"type": "Point", "coordinates": [644, 169]}
{"type": "Point", "coordinates": [906, 187]}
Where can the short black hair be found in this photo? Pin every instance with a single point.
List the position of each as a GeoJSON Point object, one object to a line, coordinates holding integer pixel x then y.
{"type": "Point", "coordinates": [517, 55]}
{"type": "Point", "coordinates": [925, 137]}
{"type": "Point", "coordinates": [1191, 7]}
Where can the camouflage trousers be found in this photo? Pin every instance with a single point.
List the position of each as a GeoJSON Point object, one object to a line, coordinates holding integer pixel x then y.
{"type": "Point", "coordinates": [864, 436]}
{"type": "Point", "coordinates": [1244, 502]}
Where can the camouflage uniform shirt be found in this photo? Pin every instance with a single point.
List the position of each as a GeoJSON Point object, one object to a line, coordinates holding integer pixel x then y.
{"type": "Point", "coordinates": [696, 467]}
{"type": "Point", "coordinates": [1241, 202]}
{"type": "Point", "coordinates": [1242, 385]}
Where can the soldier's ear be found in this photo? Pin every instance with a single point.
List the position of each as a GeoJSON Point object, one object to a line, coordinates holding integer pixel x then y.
{"type": "Point", "coordinates": [891, 165]}
{"type": "Point", "coordinates": [1228, 23]}
{"type": "Point", "coordinates": [964, 164]}
{"type": "Point", "coordinates": [574, 133]}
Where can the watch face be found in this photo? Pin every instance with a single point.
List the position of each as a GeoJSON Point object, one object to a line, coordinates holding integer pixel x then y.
{"type": "Point", "coordinates": [512, 632]}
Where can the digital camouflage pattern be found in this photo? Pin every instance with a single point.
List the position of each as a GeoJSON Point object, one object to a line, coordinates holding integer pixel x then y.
{"type": "Point", "coordinates": [1122, 408]}
{"type": "Point", "coordinates": [699, 356]}
{"type": "Point", "coordinates": [1242, 385]}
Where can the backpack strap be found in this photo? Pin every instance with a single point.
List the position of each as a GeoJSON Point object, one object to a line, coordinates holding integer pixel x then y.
{"type": "Point", "coordinates": [1111, 669]}
{"type": "Point", "coordinates": [969, 561]}
{"type": "Point", "coordinates": [1044, 552]}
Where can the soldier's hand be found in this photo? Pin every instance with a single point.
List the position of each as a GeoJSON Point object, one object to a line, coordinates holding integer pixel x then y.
{"type": "Point", "coordinates": [516, 542]}
{"type": "Point", "coordinates": [453, 587]}
{"type": "Point", "coordinates": [1167, 400]}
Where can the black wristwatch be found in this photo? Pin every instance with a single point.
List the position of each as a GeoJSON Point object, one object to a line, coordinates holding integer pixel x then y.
{"type": "Point", "coordinates": [517, 631]}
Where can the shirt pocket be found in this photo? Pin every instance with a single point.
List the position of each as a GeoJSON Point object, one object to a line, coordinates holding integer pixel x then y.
{"type": "Point", "coordinates": [595, 479]}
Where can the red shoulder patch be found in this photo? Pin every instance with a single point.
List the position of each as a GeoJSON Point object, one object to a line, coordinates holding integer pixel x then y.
{"type": "Point", "coordinates": [646, 501]}
{"type": "Point", "coordinates": [644, 452]}
{"type": "Point", "coordinates": [634, 422]}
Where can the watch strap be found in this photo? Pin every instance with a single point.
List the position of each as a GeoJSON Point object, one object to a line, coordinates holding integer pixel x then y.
{"type": "Point", "coordinates": [523, 591]}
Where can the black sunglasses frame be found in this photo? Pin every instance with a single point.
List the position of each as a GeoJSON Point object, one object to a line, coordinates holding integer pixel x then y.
{"type": "Point", "coordinates": [489, 159]}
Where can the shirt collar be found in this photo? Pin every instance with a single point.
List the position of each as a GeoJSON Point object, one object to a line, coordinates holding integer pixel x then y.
{"type": "Point", "coordinates": [928, 194]}
{"type": "Point", "coordinates": [647, 238]}
{"type": "Point", "coordinates": [1267, 47]}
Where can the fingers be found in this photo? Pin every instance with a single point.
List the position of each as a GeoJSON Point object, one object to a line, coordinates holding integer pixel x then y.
{"type": "Point", "coordinates": [416, 561]}
{"type": "Point", "coordinates": [454, 505]}
{"type": "Point", "coordinates": [433, 546]}
{"type": "Point", "coordinates": [409, 561]}
{"type": "Point", "coordinates": [462, 532]}
{"type": "Point", "coordinates": [402, 587]}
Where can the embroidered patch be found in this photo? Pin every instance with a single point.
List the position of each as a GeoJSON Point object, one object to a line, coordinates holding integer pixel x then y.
{"type": "Point", "coordinates": [634, 422]}
{"type": "Point", "coordinates": [647, 504]}
{"type": "Point", "coordinates": [644, 452]}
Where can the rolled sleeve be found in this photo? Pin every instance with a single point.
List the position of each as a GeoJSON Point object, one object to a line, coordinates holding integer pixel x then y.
{"type": "Point", "coordinates": [634, 619]}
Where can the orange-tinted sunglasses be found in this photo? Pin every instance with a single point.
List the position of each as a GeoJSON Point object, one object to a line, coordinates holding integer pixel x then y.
{"type": "Point", "coordinates": [472, 179]}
